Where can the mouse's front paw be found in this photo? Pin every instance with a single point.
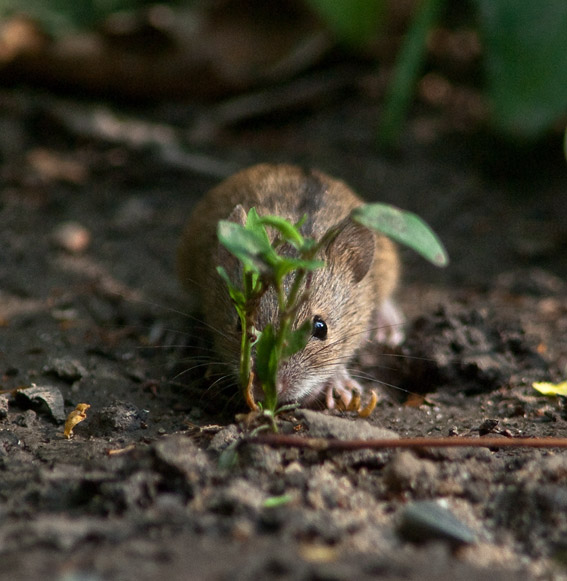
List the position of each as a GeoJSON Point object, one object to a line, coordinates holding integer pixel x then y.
{"type": "Point", "coordinates": [344, 392]}
{"type": "Point", "coordinates": [342, 388]}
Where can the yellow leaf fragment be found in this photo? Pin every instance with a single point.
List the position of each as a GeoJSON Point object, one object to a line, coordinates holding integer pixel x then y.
{"type": "Point", "coordinates": [76, 416]}
{"type": "Point", "coordinates": [548, 388]}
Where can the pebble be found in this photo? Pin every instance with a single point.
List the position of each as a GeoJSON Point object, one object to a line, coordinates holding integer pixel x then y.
{"type": "Point", "coordinates": [65, 368]}
{"type": "Point", "coordinates": [71, 237]}
{"type": "Point", "coordinates": [44, 399]}
{"type": "Point", "coordinates": [406, 472]}
{"type": "Point", "coordinates": [324, 426]}
{"type": "Point", "coordinates": [3, 406]}
{"type": "Point", "coordinates": [116, 418]}
{"type": "Point", "coordinates": [429, 520]}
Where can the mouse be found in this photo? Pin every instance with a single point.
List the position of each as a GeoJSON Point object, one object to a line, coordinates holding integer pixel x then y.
{"type": "Point", "coordinates": [350, 300]}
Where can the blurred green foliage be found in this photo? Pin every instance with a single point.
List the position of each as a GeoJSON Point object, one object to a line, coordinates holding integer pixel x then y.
{"type": "Point", "coordinates": [525, 56]}
{"type": "Point", "coordinates": [524, 50]}
{"type": "Point", "coordinates": [525, 60]}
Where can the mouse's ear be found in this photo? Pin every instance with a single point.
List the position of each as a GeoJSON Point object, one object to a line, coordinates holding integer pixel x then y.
{"type": "Point", "coordinates": [238, 215]}
{"type": "Point", "coordinates": [352, 249]}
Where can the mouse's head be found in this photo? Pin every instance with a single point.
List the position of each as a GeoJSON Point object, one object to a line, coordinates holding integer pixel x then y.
{"type": "Point", "coordinates": [339, 307]}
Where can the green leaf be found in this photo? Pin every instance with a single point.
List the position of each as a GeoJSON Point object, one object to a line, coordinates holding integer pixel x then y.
{"type": "Point", "coordinates": [275, 501]}
{"type": "Point", "coordinates": [525, 59]}
{"type": "Point", "coordinates": [287, 230]}
{"type": "Point", "coordinates": [254, 224]}
{"type": "Point", "coordinates": [249, 246]}
{"type": "Point", "coordinates": [235, 294]}
{"type": "Point", "coordinates": [267, 366]}
{"type": "Point", "coordinates": [286, 265]}
{"type": "Point", "coordinates": [264, 351]}
{"type": "Point", "coordinates": [404, 227]}
{"type": "Point", "coordinates": [297, 339]}
{"type": "Point", "coordinates": [301, 221]}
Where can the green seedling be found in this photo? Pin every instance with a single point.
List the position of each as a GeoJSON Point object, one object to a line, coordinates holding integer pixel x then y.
{"type": "Point", "coordinates": [275, 501]}
{"type": "Point", "coordinates": [264, 268]}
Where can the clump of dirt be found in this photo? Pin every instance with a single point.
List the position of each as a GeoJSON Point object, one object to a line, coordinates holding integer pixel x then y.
{"type": "Point", "coordinates": [469, 351]}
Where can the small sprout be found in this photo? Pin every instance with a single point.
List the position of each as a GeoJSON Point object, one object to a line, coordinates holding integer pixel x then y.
{"type": "Point", "coordinates": [263, 268]}
{"type": "Point", "coordinates": [275, 501]}
{"type": "Point", "coordinates": [77, 415]}
{"type": "Point", "coordinates": [548, 388]}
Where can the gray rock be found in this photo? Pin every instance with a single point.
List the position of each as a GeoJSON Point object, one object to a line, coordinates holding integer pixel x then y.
{"type": "Point", "coordinates": [428, 520]}
{"type": "Point", "coordinates": [324, 426]}
{"type": "Point", "coordinates": [45, 399]}
{"type": "Point", "coordinates": [65, 368]}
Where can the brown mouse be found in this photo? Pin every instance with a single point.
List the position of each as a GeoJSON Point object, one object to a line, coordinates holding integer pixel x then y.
{"type": "Point", "coordinates": [350, 299]}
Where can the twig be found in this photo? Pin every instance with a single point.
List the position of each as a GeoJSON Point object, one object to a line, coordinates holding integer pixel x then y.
{"type": "Point", "coordinates": [281, 440]}
{"type": "Point", "coordinates": [96, 122]}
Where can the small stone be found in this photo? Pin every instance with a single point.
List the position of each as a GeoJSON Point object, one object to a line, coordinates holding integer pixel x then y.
{"type": "Point", "coordinates": [133, 213]}
{"type": "Point", "coordinates": [3, 406]}
{"type": "Point", "coordinates": [324, 426]}
{"type": "Point", "coordinates": [27, 420]}
{"type": "Point", "coordinates": [429, 520]}
{"type": "Point", "coordinates": [407, 472]}
{"type": "Point", "coordinates": [178, 457]}
{"type": "Point", "coordinates": [223, 438]}
{"type": "Point", "coordinates": [239, 498]}
{"type": "Point", "coordinates": [64, 368]}
{"type": "Point", "coordinates": [44, 400]}
{"type": "Point", "coordinates": [71, 237]}
{"type": "Point", "coordinates": [117, 417]}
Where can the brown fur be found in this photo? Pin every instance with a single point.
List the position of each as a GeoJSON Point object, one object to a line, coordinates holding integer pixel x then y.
{"type": "Point", "coordinates": [361, 272]}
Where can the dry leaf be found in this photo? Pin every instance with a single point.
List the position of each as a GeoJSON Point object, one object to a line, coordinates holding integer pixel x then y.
{"type": "Point", "coordinates": [76, 416]}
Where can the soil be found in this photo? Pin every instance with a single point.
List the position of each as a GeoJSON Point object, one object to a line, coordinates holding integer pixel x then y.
{"type": "Point", "coordinates": [148, 486]}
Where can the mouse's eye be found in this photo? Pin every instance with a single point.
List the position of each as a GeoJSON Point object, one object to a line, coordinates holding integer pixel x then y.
{"type": "Point", "coordinates": [319, 328]}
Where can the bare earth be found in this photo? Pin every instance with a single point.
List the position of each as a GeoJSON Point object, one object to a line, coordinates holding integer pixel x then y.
{"type": "Point", "coordinates": [138, 493]}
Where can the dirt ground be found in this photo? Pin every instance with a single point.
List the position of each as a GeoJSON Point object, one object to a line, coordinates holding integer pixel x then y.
{"type": "Point", "coordinates": [93, 314]}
